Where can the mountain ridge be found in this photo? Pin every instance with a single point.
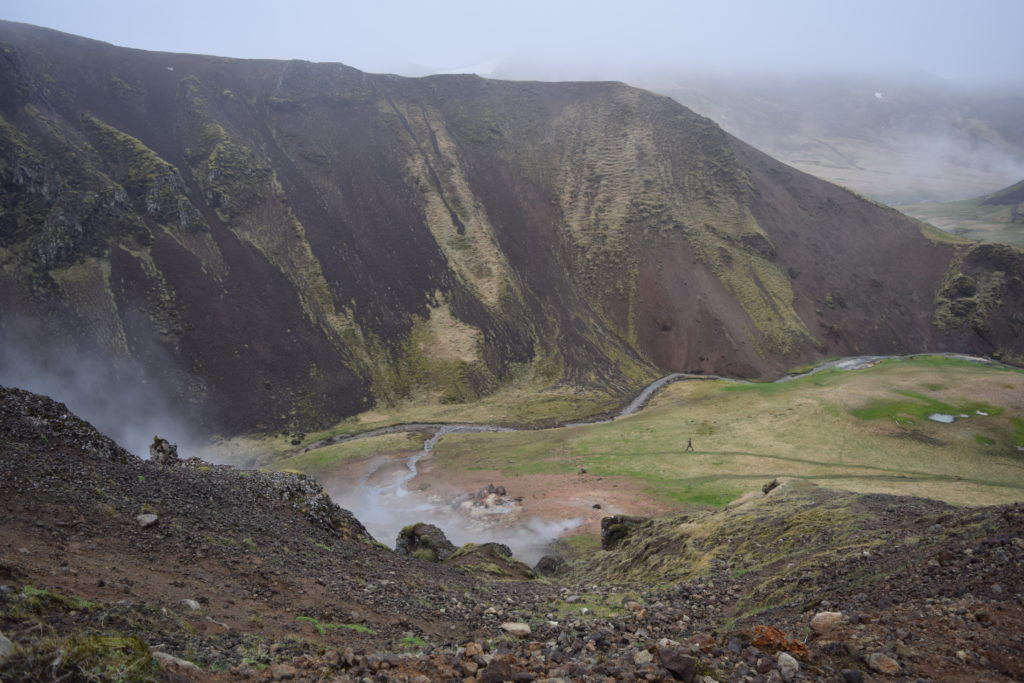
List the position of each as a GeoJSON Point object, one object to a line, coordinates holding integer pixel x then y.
{"type": "Point", "coordinates": [283, 244]}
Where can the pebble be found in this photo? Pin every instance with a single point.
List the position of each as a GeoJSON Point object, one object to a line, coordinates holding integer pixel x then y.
{"type": "Point", "coordinates": [823, 622]}
{"type": "Point", "coordinates": [171, 663]}
{"type": "Point", "coordinates": [190, 604]}
{"type": "Point", "coordinates": [516, 628]}
{"type": "Point", "coordinates": [6, 648]}
{"type": "Point", "coordinates": [788, 666]}
{"type": "Point", "coordinates": [883, 663]}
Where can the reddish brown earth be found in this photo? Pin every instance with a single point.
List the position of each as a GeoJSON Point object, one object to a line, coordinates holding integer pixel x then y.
{"type": "Point", "coordinates": [549, 497]}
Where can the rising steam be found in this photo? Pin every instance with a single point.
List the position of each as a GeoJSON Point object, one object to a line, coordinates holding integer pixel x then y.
{"type": "Point", "coordinates": [115, 394]}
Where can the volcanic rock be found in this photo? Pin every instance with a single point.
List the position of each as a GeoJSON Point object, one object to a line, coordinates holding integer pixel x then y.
{"type": "Point", "coordinates": [883, 663]}
{"type": "Point", "coordinates": [516, 629]}
{"type": "Point", "coordinates": [147, 520]}
{"type": "Point", "coordinates": [494, 559]}
{"type": "Point", "coordinates": [615, 529]}
{"type": "Point", "coordinates": [823, 622]}
{"type": "Point", "coordinates": [681, 666]}
{"type": "Point", "coordinates": [549, 565]}
{"type": "Point", "coordinates": [788, 666]}
{"type": "Point", "coordinates": [163, 452]}
{"type": "Point", "coordinates": [424, 541]}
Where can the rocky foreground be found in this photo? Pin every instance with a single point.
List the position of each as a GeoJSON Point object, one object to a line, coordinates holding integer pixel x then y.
{"type": "Point", "coordinates": [115, 568]}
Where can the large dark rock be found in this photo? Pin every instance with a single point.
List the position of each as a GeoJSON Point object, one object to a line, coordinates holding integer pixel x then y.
{"type": "Point", "coordinates": [615, 529]}
{"type": "Point", "coordinates": [425, 541]}
{"type": "Point", "coordinates": [163, 452]}
{"type": "Point", "coordinates": [681, 666]}
{"type": "Point", "coordinates": [493, 559]}
{"type": "Point", "coordinates": [549, 565]}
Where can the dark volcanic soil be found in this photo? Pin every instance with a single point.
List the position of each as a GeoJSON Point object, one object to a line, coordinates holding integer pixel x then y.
{"type": "Point", "coordinates": [289, 587]}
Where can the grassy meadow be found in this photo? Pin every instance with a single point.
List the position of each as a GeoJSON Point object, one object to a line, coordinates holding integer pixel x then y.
{"type": "Point", "coordinates": [971, 219]}
{"type": "Point", "coordinates": [520, 403]}
{"type": "Point", "coordinates": [864, 430]}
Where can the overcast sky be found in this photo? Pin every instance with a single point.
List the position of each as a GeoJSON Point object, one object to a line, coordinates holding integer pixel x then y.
{"type": "Point", "coordinates": [962, 39]}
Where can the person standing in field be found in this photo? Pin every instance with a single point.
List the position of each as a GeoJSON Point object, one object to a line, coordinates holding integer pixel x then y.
{"type": "Point", "coordinates": [689, 444]}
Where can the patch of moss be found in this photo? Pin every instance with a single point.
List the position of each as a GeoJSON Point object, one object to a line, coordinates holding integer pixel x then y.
{"type": "Point", "coordinates": [965, 298]}
{"type": "Point", "coordinates": [323, 627]}
{"type": "Point", "coordinates": [154, 183]}
{"type": "Point", "coordinates": [919, 407]}
{"type": "Point", "coordinates": [87, 656]}
{"type": "Point", "coordinates": [413, 643]}
{"type": "Point", "coordinates": [39, 600]}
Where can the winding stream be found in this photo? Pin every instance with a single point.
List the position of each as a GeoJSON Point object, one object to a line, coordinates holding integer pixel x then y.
{"type": "Point", "coordinates": [381, 498]}
{"type": "Point", "coordinates": [440, 429]}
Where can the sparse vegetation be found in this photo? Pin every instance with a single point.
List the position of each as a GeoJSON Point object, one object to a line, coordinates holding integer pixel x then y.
{"type": "Point", "coordinates": [323, 627]}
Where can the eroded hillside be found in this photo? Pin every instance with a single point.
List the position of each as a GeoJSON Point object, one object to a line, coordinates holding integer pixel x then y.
{"type": "Point", "coordinates": [287, 243]}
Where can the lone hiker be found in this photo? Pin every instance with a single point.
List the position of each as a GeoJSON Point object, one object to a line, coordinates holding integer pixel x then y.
{"type": "Point", "coordinates": [689, 444]}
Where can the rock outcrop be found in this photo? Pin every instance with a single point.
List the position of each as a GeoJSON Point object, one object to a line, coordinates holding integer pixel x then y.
{"type": "Point", "coordinates": [425, 542]}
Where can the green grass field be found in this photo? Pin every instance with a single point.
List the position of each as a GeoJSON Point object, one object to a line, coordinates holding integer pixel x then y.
{"type": "Point", "coordinates": [520, 403]}
{"type": "Point", "coordinates": [971, 219]}
{"type": "Point", "coordinates": [864, 430]}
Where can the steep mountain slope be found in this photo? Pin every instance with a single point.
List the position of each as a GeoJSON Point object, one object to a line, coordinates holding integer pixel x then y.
{"type": "Point", "coordinates": [286, 243]}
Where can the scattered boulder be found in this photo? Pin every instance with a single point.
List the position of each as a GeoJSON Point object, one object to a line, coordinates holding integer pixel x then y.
{"type": "Point", "coordinates": [823, 622]}
{"type": "Point", "coordinates": [425, 541]}
{"type": "Point", "coordinates": [883, 664]}
{"type": "Point", "coordinates": [163, 452]}
{"type": "Point", "coordinates": [773, 484]}
{"type": "Point", "coordinates": [174, 665]}
{"type": "Point", "coordinates": [516, 628]}
{"type": "Point", "coordinates": [147, 520]}
{"type": "Point", "coordinates": [494, 559]}
{"type": "Point", "coordinates": [681, 666]}
{"type": "Point", "coordinates": [188, 603]}
{"type": "Point", "coordinates": [616, 528]}
{"type": "Point", "coordinates": [498, 670]}
{"type": "Point", "coordinates": [549, 565]}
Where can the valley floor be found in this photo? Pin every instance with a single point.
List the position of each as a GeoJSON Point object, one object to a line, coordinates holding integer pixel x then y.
{"type": "Point", "coordinates": [257, 575]}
